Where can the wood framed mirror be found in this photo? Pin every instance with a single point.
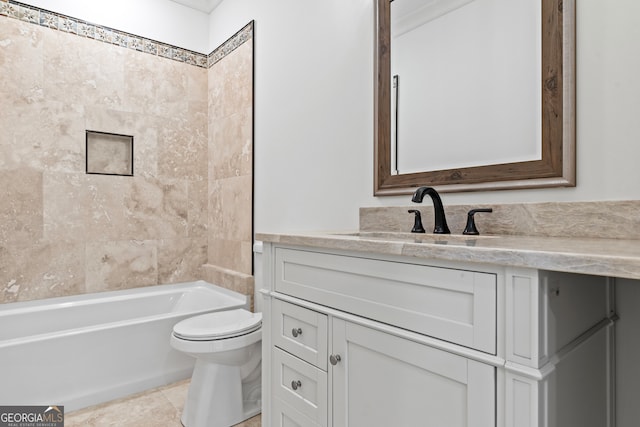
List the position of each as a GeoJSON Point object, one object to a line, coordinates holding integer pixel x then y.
{"type": "Point", "coordinates": [555, 163]}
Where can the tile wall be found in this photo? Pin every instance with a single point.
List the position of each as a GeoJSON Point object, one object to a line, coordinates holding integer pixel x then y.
{"type": "Point", "coordinates": [231, 161]}
{"type": "Point", "coordinates": [64, 232]}
{"type": "Point", "coordinates": [230, 201]}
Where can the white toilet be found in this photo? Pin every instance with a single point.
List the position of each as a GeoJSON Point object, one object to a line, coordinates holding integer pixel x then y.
{"type": "Point", "coordinates": [225, 386]}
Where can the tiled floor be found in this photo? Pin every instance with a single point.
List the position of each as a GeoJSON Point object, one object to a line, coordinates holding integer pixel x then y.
{"type": "Point", "coordinates": [160, 407]}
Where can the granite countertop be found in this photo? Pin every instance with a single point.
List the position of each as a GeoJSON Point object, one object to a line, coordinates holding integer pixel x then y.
{"type": "Point", "coordinates": [597, 256]}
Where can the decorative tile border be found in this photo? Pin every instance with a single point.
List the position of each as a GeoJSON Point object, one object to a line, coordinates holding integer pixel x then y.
{"type": "Point", "coordinates": [56, 21]}
{"type": "Point", "coordinates": [231, 44]}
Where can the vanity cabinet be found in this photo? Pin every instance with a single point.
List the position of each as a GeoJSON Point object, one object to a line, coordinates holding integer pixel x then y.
{"type": "Point", "coordinates": [360, 339]}
{"type": "Point", "coordinates": [417, 384]}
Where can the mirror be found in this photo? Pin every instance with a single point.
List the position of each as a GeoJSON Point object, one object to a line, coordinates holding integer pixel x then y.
{"type": "Point", "coordinates": [515, 99]}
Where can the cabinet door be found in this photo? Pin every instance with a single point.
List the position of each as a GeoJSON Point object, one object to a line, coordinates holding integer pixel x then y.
{"type": "Point", "coordinates": [384, 380]}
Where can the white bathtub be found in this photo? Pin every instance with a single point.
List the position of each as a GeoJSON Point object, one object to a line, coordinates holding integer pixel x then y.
{"type": "Point", "coordinates": [86, 349]}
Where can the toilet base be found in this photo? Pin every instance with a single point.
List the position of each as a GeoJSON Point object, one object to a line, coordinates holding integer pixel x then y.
{"type": "Point", "coordinates": [223, 395]}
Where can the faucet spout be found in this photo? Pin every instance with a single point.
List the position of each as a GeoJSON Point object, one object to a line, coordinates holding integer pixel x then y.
{"type": "Point", "coordinates": [440, 226]}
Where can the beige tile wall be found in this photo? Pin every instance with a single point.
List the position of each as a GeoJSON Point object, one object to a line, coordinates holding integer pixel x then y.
{"type": "Point", "coordinates": [64, 232]}
{"type": "Point", "coordinates": [231, 161]}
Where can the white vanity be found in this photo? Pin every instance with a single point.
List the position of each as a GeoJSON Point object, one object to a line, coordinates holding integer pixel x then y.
{"type": "Point", "coordinates": [366, 331]}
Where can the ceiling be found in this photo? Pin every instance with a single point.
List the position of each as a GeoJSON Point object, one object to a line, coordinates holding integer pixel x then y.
{"type": "Point", "coordinates": [205, 6]}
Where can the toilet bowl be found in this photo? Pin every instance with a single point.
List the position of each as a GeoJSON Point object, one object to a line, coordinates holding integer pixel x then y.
{"type": "Point", "coordinates": [225, 386]}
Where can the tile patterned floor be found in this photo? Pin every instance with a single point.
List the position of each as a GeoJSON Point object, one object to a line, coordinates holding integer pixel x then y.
{"type": "Point", "coordinates": [160, 407]}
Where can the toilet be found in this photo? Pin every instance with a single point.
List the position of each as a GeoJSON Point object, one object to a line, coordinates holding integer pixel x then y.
{"type": "Point", "coordinates": [225, 386]}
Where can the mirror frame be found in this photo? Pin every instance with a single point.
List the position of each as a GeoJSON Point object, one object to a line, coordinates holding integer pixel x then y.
{"type": "Point", "coordinates": [557, 166]}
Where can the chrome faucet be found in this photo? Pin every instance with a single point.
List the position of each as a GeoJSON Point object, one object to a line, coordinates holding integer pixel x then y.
{"type": "Point", "coordinates": [438, 210]}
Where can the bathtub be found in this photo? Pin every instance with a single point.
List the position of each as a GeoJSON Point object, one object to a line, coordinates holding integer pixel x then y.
{"type": "Point", "coordinates": [82, 350]}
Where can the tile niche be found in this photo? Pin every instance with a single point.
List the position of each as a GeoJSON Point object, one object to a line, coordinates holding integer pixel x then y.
{"type": "Point", "coordinates": [109, 154]}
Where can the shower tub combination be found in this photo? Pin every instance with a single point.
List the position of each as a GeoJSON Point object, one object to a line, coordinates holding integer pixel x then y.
{"type": "Point", "coordinates": [86, 349]}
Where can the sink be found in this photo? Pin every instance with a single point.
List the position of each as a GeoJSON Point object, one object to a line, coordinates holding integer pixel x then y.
{"type": "Point", "coordinates": [438, 239]}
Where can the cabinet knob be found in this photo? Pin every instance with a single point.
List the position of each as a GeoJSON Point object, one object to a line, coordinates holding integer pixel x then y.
{"type": "Point", "coordinates": [295, 332]}
{"type": "Point", "coordinates": [334, 359]}
{"type": "Point", "coordinates": [296, 384]}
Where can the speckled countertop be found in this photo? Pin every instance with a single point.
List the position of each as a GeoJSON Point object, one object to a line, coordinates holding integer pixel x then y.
{"type": "Point", "coordinates": [597, 256]}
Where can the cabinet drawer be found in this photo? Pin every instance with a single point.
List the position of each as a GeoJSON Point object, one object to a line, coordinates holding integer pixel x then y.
{"type": "Point", "coordinates": [301, 332]}
{"type": "Point", "coordinates": [458, 306]}
{"type": "Point", "coordinates": [300, 385]}
{"type": "Point", "coordinates": [284, 415]}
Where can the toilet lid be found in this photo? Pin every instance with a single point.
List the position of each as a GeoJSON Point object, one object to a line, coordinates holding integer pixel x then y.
{"type": "Point", "coordinates": [218, 325]}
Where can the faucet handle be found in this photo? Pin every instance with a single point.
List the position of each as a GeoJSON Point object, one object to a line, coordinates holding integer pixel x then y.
{"type": "Point", "coordinates": [417, 224]}
{"type": "Point", "coordinates": [470, 228]}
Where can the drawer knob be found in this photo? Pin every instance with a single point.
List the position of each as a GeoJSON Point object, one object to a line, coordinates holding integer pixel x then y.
{"type": "Point", "coordinates": [334, 359]}
{"type": "Point", "coordinates": [295, 332]}
{"type": "Point", "coordinates": [296, 384]}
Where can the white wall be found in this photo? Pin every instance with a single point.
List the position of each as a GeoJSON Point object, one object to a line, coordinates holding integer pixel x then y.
{"type": "Point", "coordinates": [314, 110]}
{"type": "Point", "coordinates": [160, 20]}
